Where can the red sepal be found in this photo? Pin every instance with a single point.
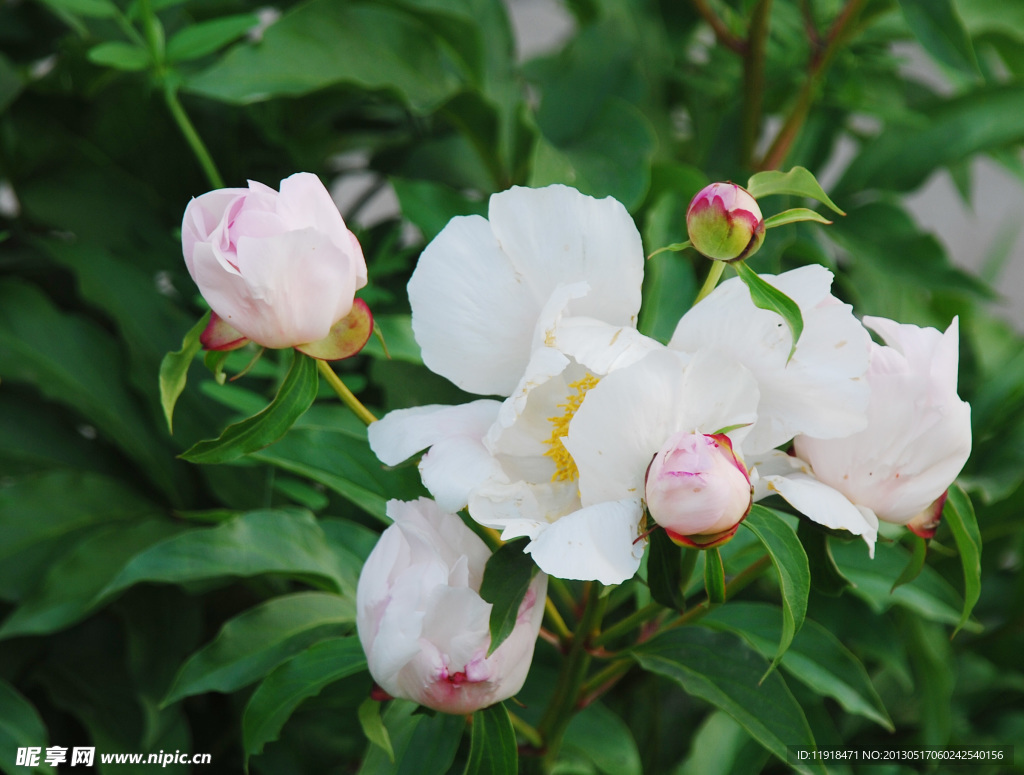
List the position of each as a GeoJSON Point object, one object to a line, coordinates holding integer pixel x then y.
{"type": "Point", "coordinates": [222, 336]}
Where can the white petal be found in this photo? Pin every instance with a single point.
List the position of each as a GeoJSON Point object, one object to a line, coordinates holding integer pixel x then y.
{"type": "Point", "coordinates": [594, 544]}
{"type": "Point", "coordinates": [600, 346]}
{"type": "Point", "coordinates": [402, 433]}
{"type": "Point", "coordinates": [454, 467]}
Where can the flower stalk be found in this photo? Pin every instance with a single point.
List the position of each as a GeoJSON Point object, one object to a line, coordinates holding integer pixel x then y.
{"type": "Point", "coordinates": [347, 396]}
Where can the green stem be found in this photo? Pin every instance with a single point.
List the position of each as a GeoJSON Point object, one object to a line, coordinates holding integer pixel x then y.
{"type": "Point", "coordinates": [630, 623]}
{"type": "Point", "coordinates": [753, 79]}
{"type": "Point", "coordinates": [192, 137]}
{"type": "Point", "coordinates": [740, 581]}
{"type": "Point", "coordinates": [555, 620]}
{"type": "Point", "coordinates": [347, 396]}
{"type": "Point", "coordinates": [531, 735]}
{"type": "Point", "coordinates": [722, 33]}
{"type": "Point", "coordinates": [717, 267]}
{"type": "Point", "coordinates": [604, 680]}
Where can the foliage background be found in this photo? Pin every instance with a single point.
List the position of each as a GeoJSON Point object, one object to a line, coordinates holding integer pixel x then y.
{"type": "Point", "coordinates": [147, 603]}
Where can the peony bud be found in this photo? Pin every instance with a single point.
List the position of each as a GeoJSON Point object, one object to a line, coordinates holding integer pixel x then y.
{"type": "Point", "coordinates": [724, 222]}
{"type": "Point", "coordinates": [698, 489]}
{"type": "Point", "coordinates": [421, 620]}
{"type": "Point", "coordinates": [280, 269]}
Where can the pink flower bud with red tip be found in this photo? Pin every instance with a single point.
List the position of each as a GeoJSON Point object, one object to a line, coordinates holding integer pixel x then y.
{"type": "Point", "coordinates": [698, 489]}
{"type": "Point", "coordinates": [724, 222]}
{"type": "Point", "coordinates": [277, 268]}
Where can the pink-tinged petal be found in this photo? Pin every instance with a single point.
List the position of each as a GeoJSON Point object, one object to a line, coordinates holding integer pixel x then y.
{"type": "Point", "coordinates": [219, 335]}
{"type": "Point", "coordinates": [347, 337]}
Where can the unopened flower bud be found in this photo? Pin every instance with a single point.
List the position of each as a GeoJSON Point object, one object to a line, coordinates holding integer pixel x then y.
{"type": "Point", "coordinates": [698, 489]}
{"type": "Point", "coordinates": [724, 222]}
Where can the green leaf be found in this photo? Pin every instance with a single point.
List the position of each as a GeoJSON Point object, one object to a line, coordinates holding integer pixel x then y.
{"type": "Point", "coordinates": [665, 570]}
{"type": "Point", "coordinates": [790, 562]}
{"type": "Point", "coordinates": [204, 38]}
{"type": "Point", "coordinates": [284, 689]}
{"type": "Point", "coordinates": [604, 738]}
{"type": "Point", "coordinates": [719, 668]}
{"type": "Point", "coordinates": [431, 205]}
{"type": "Point", "coordinates": [795, 215]}
{"type": "Point", "coordinates": [99, 9]}
{"type": "Point", "coordinates": [20, 727]}
{"type": "Point", "coordinates": [397, 330]}
{"type": "Point", "coordinates": [296, 395]}
{"type": "Point", "coordinates": [120, 56]}
{"type": "Point", "coordinates": [797, 182]}
{"type": "Point", "coordinates": [373, 727]}
{"type": "Point", "coordinates": [174, 369]}
{"type": "Point", "coordinates": [323, 43]}
{"type": "Point", "coordinates": [959, 515]}
{"type": "Point", "coordinates": [914, 564]}
{"type": "Point", "coordinates": [492, 746]}
{"type": "Point", "coordinates": [714, 576]}
{"type": "Point", "coordinates": [507, 577]}
{"type": "Point", "coordinates": [941, 32]}
{"type": "Point", "coordinates": [11, 85]}
{"type": "Point", "coordinates": [256, 641]}
{"type": "Point", "coordinates": [768, 297]}
{"type": "Point", "coordinates": [817, 658]}
{"type": "Point", "coordinates": [423, 745]}
{"type": "Point", "coordinates": [826, 577]}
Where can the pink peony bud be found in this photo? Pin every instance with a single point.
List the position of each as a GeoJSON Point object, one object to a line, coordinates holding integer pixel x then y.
{"type": "Point", "coordinates": [280, 269]}
{"type": "Point", "coordinates": [421, 620]}
{"type": "Point", "coordinates": [724, 222]}
{"type": "Point", "coordinates": [698, 489]}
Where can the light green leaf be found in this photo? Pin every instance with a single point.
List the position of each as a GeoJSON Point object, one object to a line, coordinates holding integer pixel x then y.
{"type": "Point", "coordinates": [790, 562]}
{"type": "Point", "coordinates": [817, 658]}
{"type": "Point", "coordinates": [768, 297]}
{"type": "Point", "coordinates": [941, 32]}
{"type": "Point", "coordinates": [719, 668]}
{"type": "Point", "coordinates": [959, 515]}
{"type": "Point", "coordinates": [795, 215]}
{"type": "Point", "coordinates": [174, 369]}
{"type": "Point", "coordinates": [204, 38]}
{"type": "Point", "coordinates": [797, 182]}
{"type": "Point", "coordinates": [323, 43]}
{"type": "Point", "coordinates": [296, 395]}
{"type": "Point", "coordinates": [284, 689]}
{"type": "Point", "coordinates": [507, 576]}
{"type": "Point", "coordinates": [256, 641]}
{"type": "Point", "coordinates": [373, 727]}
{"type": "Point", "coordinates": [492, 747]}
{"type": "Point", "coordinates": [20, 727]}
{"type": "Point", "coordinates": [120, 56]}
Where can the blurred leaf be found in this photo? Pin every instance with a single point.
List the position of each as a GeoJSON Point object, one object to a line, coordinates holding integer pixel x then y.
{"type": "Point", "coordinates": [492, 747]}
{"type": "Point", "coordinates": [174, 368]}
{"type": "Point", "coordinates": [357, 540]}
{"type": "Point", "coordinates": [10, 85]}
{"type": "Point", "coordinates": [795, 215]}
{"type": "Point", "coordinates": [934, 679]}
{"type": "Point", "coordinates": [397, 331]}
{"type": "Point", "coordinates": [256, 641]}
{"type": "Point", "coordinates": [430, 205]}
{"type": "Point", "coordinates": [665, 570]}
{"type": "Point", "coordinates": [797, 182]}
{"type": "Point", "coordinates": [373, 727]}
{"type": "Point", "coordinates": [198, 40]}
{"type": "Point", "coordinates": [768, 297]}
{"type": "Point", "coordinates": [120, 56]}
{"type": "Point", "coordinates": [604, 738]}
{"type": "Point", "coordinates": [721, 747]}
{"type": "Point", "coordinates": [507, 577]}
{"type": "Point", "coordinates": [940, 31]}
{"type": "Point", "coordinates": [100, 9]}
{"type": "Point", "coordinates": [826, 577]}
{"type": "Point", "coordinates": [423, 745]}
{"type": "Point", "coordinates": [816, 658]}
{"type": "Point", "coordinates": [321, 43]}
{"type": "Point", "coordinates": [38, 521]}
{"type": "Point", "coordinates": [719, 668]}
{"type": "Point", "coordinates": [790, 562]}
{"type": "Point", "coordinates": [958, 513]}
{"type": "Point", "coordinates": [284, 689]}
{"type": "Point", "coordinates": [20, 727]}
{"type": "Point", "coordinates": [917, 557]}
{"type": "Point", "coordinates": [295, 396]}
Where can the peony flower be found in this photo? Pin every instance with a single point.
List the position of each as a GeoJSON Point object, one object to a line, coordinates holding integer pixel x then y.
{"type": "Point", "coordinates": [821, 390]}
{"type": "Point", "coordinates": [421, 620]}
{"type": "Point", "coordinates": [485, 291]}
{"type": "Point", "coordinates": [917, 439]}
{"type": "Point", "coordinates": [724, 222]}
{"type": "Point", "coordinates": [280, 269]}
{"type": "Point", "coordinates": [697, 489]}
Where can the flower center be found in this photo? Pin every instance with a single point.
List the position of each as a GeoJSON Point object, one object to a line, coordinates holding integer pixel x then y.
{"type": "Point", "coordinates": [565, 466]}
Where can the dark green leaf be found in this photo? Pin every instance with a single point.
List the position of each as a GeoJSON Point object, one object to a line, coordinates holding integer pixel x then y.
{"type": "Point", "coordinates": [604, 738]}
{"type": "Point", "coordinates": [941, 32]}
{"type": "Point", "coordinates": [258, 640]}
{"type": "Point", "coordinates": [816, 658]}
{"type": "Point", "coordinates": [174, 368]}
{"type": "Point", "coordinates": [826, 577]}
{"type": "Point", "coordinates": [719, 668]}
{"type": "Point", "coordinates": [302, 676]}
{"type": "Point", "coordinates": [492, 747]}
{"type": "Point", "coordinates": [507, 577]}
{"type": "Point", "coordinates": [797, 182]}
{"type": "Point", "coordinates": [100, 9]}
{"type": "Point", "coordinates": [768, 297]}
{"type": "Point", "coordinates": [959, 515]}
{"type": "Point", "coordinates": [790, 562]}
{"type": "Point", "coordinates": [665, 570]}
{"type": "Point", "coordinates": [714, 576]}
{"type": "Point", "coordinates": [373, 727]}
{"type": "Point", "coordinates": [795, 215]}
{"type": "Point", "coordinates": [322, 43]}
{"type": "Point", "coordinates": [430, 205]}
{"type": "Point", "coordinates": [204, 38]}
{"type": "Point", "coordinates": [423, 745]}
{"type": "Point", "coordinates": [10, 87]}
{"type": "Point", "coordinates": [296, 395]}
{"type": "Point", "coordinates": [20, 727]}
{"type": "Point", "coordinates": [120, 56]}
{"type": "Point", "coordinates": [917, 557]}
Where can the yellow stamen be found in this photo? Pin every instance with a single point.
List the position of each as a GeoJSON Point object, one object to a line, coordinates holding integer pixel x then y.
{"type": "Point", "coordinates": [565, 466]}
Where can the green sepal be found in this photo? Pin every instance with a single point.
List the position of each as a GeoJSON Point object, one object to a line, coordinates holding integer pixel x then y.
{"type": "Point", "coordinates": [714, 576]}
{"type": "Point", "coordinates": [174, 369]}
{"type": "Point", "coordinates": [795, 215]}
{"type": "Point", "coordinates": [768, 297]}
{"type": "Point", "coordinates": [799, 181]}
{"type": "Point", "coordinates": [675, 247]}
{"type": "Point", "coordinates": [918, 553]}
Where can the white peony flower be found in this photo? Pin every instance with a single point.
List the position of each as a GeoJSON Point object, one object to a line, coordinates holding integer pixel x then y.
{"type": "Point", "coordinates": [421, 620]}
